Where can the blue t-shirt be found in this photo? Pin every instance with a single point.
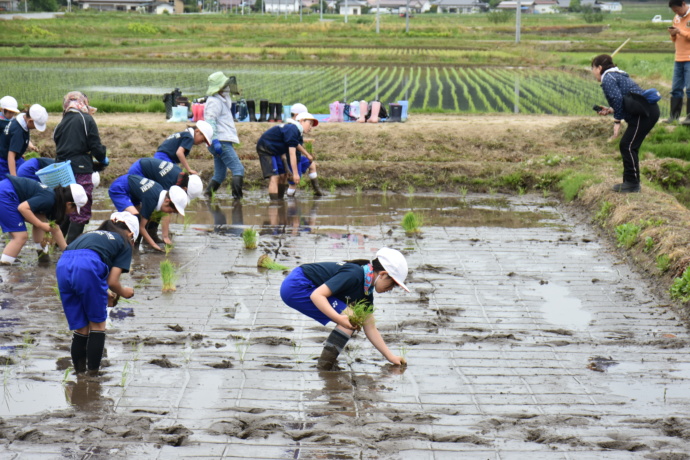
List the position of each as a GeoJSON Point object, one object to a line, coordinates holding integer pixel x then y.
{"type": "Point", "coordinates": [13, 139]}
{"type": "Point", "coordinates": [146, 192]}
{"type": "Point", "coordinates": [40, 197]}
{"type": "Point", "coordinates": [279, 138]}
{"type": "Point", "coordinates": [3, 122]}
{"type": "Point", "coordinates": [182, 139]}
{"type": "Point", "coordinates": [29, 167]}
{"type": "Point", "coordinates": [344, 279]}
{"type": "Point", "coordinates": [112, 248]}
{"type": "Point", "coordinates": [163, 172]}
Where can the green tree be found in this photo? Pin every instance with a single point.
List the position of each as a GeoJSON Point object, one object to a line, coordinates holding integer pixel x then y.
{"type": "Point", "coordinates": [575, 6]}
{"type": "Point", "coordinates": [43, 5]}
{"type": "Point", "coordinates": [494, 3]}
{"type": "Point", "coordinates": [591, 15]}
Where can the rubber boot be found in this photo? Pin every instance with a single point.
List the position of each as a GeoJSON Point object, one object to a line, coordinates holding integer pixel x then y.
{"type": "Point", "coordinates": [396, 113]}
{"type": "Point", "coordinates": [152, 229]}
{"type": "Point", "coordinates": [251, 109]}
{"type": "Point", "coordinates": [237, 182]}
{"type": "Point", "coordinates": [375, 109]}
{"type": "Point", "coordinates": [315, 186]}
{"type": "Point", "coordinates": [676, 107]}
{"type": "Point", "coordinates": [75, 230]}
{"type": "Point", "coordinates": [282, 188]}
{"type": "Point", "coordinates": [233, 110]}
{"type": "Point", "coordinates": [212, 187]}
{"type": "Point", "coordinates": [332, 348]}
{"type": "Point", "coordinates": [363, 110]}
{"type": "Point", "coordinates": [271, 112]}
{"type": "Point", "coordinates": [275, 197]}
{"type": "Point", "coordinates": [278, 116]}
{"type": "Point", "coordinates": [341, 112]}
{"type": "Point", "coordinates": [686, 120]}
{"type": "Point", "coordinates": [263, 110]}
{"type": "Point", "coordinates": [333, 112]}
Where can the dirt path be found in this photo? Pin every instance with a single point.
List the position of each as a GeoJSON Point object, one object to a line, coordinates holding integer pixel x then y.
{"type": "Point", "coordinates": [526, 337]}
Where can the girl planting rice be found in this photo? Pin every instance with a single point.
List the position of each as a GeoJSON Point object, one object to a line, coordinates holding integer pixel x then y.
{"type": "Point", "coordinates": [89, 266]}
{"type": "Point", "coordinates": [324, 292]}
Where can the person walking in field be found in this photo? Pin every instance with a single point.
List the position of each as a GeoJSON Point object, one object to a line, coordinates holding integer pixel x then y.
{"type": "Point", "coordinates": [15, 138]}
{"type": "Point", "coordinates": [680, 35]}
{"type": "Point", "coordinates": [141, 196]}
{"type": "Point", "coordinates": [77, 140]}
{"type": "Point", "coordinates": [88, 267]}
{"type": "Point", "coordinates": [176, 147]}
{"type": "Point", "coordinates": [24, 200]}
{"type": "Point", "coordinates": [277, 147]}
{"type": "Point", "coordinates": [325, 292]}
{"type": "Point", "coordinates": [218, 114]}
{"type": "Point", "coordinates": [306, 162]}
{"type": "Point", "coordinates": [626, 103]}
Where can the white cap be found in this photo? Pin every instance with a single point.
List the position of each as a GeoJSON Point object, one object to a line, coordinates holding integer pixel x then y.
{"type": "Point", "coordinates": [9, 103]}
{"type": "Point", "coordinates": [129, 219]}
{"type": "Point", "coordinates": [298, 108]}
{"type": "Point", "coordinates": [206, 130]}
{"type": "Point", "coordinates": [179, 198]}
{"type": "Point", "coordinates": [194, 187]}
{"type": "Point", "coordinates": [307, 116]}
{"type": "Point", "coordinates": [78, 195]}
{"type": "Point", "coordinates": [95, 179]}
{"type": "Point", "coordinates": [39, 115]}
{"type": "Point", "coordinates": [395, 264]}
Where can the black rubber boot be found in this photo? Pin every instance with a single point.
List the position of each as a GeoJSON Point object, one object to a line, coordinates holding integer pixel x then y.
{"type": "Point", "coordinates": [251, 109]}
{"type": "Point", "coordinates": [315, 186]}
{"type": "Point", "coordinates": [396, 113]}
{"type": "Point", "coordinates": [686, 120]}
{"type": "Point", "coordinates": [263, 110]}
{"type": "Point", "coordinates": [282, 188]}
{"type": "Point", "coordinates": [331, 350]}
{"type": "Point", "coordinates": [75, 230]}
{"type": "Point", "coordinates": [278, 115]}
{"type": "Point", "coordinates": [676, 107]}
{"type": "Point", "coordinates": [212, 187]}
{"type": "Point", "coordinates": [237, 182]}
{"type": "Point", "coordinates": [233, 110]}
{"type": "Point", "coordinates": [627, 187]}
{"type": "Point", "coordinates": [152, 229]}
{"type": "Point", "coordinates": [275, 196]}
{"type": "Point", "coordinates": [78, 352]}
{"type": "Point", "coordinates": [94, 350]}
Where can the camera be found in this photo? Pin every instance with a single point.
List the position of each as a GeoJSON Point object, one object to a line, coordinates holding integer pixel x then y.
{"type": "Point", "coordinates": [597, 108]}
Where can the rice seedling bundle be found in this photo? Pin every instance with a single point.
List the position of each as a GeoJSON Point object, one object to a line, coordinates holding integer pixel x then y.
{"type": "Point", "coordinates": [266, 262]}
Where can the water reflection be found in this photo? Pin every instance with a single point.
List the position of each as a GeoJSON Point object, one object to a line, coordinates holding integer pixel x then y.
{"type": "Point", "coordinates": [86, 394]}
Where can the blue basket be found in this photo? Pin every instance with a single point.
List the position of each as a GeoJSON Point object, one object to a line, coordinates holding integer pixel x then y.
{"type": "Point", "coordinates": [57, 174]}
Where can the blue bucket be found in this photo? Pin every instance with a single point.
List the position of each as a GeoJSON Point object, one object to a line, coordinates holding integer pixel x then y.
{"type": "Point", "coordinates": [57, 174]}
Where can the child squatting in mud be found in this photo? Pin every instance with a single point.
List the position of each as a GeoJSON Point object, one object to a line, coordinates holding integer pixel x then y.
{"type": "Point", "coordinates": [317, 290]}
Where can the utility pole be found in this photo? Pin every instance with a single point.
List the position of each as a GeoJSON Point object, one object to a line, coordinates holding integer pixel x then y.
{"type": "Point", "coordinates": [320, 10]}
{"type": "Point", "coordinates": [518, 12]}
{"type": "Point", "coordinates": [407, 17]}
{"type": "Point", "coordinates": [345, 11]}
{"type": "Point", "coordinates": [378, 16]}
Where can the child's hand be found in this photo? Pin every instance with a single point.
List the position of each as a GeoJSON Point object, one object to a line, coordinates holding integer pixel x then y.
{"type": "Point", "coordinates": [345, 322]}
{"type": "Point", "coordinates": [398, 360]}
{"type": "Point", "coordinates": [127, 292]}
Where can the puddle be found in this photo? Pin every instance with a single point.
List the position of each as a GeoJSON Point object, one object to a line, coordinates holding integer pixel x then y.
{"type": "Point", "coordinates": [27, 397]}
{"type": "Point", "coordinates": [560, 308]}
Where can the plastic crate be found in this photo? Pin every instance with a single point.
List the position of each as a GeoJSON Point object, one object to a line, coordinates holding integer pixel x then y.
{"type": "Point", "coordinates": [57, 174]}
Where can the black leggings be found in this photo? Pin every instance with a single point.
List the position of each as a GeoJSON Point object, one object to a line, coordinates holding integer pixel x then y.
{"type": "Point", "coordinates": [638, 128]}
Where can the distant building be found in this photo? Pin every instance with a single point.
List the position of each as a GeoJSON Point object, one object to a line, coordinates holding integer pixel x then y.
{"type": "Point", "coordinates": [400, 6]}
{"type": "Point", "coordinates": [126, 5]}
{"type": "Point", "coordinates": [461, 6]}
{"type": "Point", "coordinates": [564, 5]}
{"type": "Point", "coordinates": [281, 6]}
{"type": "Point", "coordinates": [545, 6]}
{"type": "Point", "coordinates": [526, 6]}
{"type": "Point", "coordinates": [354, 7]}
{"type": "Point", "coordinates": [9, 5]}
{"type": "Point", "coordinates": [611, 7]}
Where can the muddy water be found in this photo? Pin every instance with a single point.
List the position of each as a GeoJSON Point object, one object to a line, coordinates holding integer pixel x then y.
{"type": "Point", "coordinates": [526, 337]}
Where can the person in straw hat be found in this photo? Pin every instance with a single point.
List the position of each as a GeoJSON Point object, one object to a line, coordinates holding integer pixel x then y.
{"type": "Point", "coordinates": [218, 114]}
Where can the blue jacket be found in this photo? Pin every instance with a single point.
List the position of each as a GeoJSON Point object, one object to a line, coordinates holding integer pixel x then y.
{"type": "Point", "coordinates": [617, 84]}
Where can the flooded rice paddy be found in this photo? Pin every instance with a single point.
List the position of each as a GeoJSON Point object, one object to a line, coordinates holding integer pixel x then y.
{"type": "Point", "coordinates": [526, 337]}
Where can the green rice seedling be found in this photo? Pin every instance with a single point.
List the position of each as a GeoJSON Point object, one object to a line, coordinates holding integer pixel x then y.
{"type": "Point", "coordinates": [266, 262]}
{"type": "Point", "coordinates": [242, 346]}
{"type": "Point", "coordinates": [124, 378]}
{"type": "Point", "coordinates": [66, 376]}
{"type": "Point", "coordinates": [463, 191]}
{"type": "Point", "coordinates": [332, 188]}
{"type": "Point", "coordinates": [626, 234]}
{"type": "Point", "coordinates": [680, 289]}
{"type": "Point", "coordinates": [410, 189]}
{"type": "Point", "coordinates": [663, 262]}
{"type": "Point", "coordinates": [384, 187]}
{"type": "Point", "coordinates": [403, 355]}
{"type": "Point", "coordinates": [411, 222]}
{"type": "Point", "coordinates": [521, 191]}
{"type": "Point", "coordinates": [358, 189]}
{"type": "Point", "coordinates": [56, 291]}
{"type": "Point", "coordinates": [168, 249]}
{"type": "Point", "coordinates": [188, 220]}
{"type": "Point", "coordinates": [28, 344]}
{"type": "Point", "coordinates": [648, 244]}
{"type": "Point", "coordinates": [249, 237]}
{"type": "Point", "coordinates": [359, 312]}
{"type": "Point", "coordinates": [168, 275]}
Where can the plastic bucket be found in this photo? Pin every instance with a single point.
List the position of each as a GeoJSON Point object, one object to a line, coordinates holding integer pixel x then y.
{"type": "Point", "coordinates": [57, 174]}
{"type": "Point", "coordinates": [179, 113]}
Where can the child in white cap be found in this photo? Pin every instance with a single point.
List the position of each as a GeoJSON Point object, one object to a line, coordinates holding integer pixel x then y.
{"type": "Point", "coordinates": [23, 199]}
{"type": "Point", "coordinates": [15, 138]}
{"type": "Point", "coordinates": [88, 267]}
{"type": "Point", "coordinates": [8, 110]}
{"type": "Point", "coordinates": [141, 197]}
{"type": "Point", "coordinates": [306, 163]}
{"type": "Point", "coordinates": [323, 291]}
{"type": "Point", "coordinates": [176, 147]}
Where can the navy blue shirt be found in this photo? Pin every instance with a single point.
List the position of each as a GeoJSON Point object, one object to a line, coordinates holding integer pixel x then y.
{"type": "Point", "coordinates": [40, 197]}
{"type": "Point", "coordinates": [13, 139]}
{"type": "Point", "coordinates": [617, 85]}
{"type": "Point", "coordinates": [279, 138]}
{"type": "Point", "coordinates": [3, 122]}
{"type": "Point", "coordinates": [163, 172]}
{"type": "Point", "coordinates": [182, 139]}
{"type": "Point", "coordinates": [112, 248]}
{"type": "Point", "coordinates": [344, 279]}
{"type": "Point", "coordinates": [29, 167]}
{"type": "Point", "coordinates": [146, 192]}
